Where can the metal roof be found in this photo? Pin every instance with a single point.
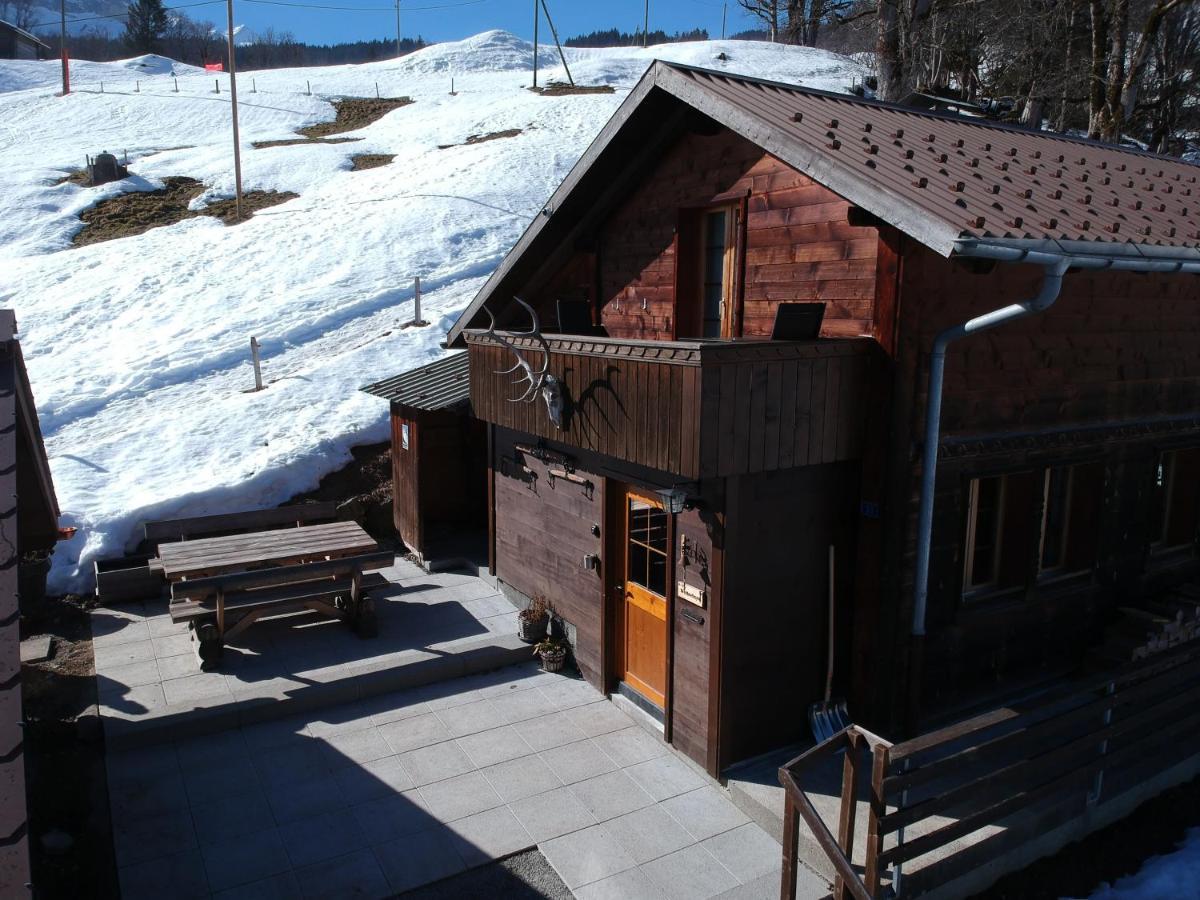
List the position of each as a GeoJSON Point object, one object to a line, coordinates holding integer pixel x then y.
{"type": "Point", "coordinates": [440, 385]}
{"type": "Point", "coordinates": [9, 26]}
{"type": "Point", "coordinates": [941, 179]}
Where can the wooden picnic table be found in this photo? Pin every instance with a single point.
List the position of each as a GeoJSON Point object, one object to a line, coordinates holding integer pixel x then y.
{"type": "Point", "coordinates": [244, 552]}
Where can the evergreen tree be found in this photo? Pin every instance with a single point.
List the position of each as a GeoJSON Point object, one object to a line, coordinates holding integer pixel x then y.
{"type": "Point", "coordinates": [145, 25]}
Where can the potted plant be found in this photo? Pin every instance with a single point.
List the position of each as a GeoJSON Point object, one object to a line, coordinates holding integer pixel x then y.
{"type": "Point", "coordinates": [534, 619]}
{"type": "Point", "coordinates": [553, 652]}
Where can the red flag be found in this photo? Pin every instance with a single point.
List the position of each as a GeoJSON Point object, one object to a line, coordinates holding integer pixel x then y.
{"type": "Point", "coordinates": [214, 67]}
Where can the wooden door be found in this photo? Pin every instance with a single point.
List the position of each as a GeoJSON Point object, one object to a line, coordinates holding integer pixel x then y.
{"type": "Point", "coordinates": [643, 631]}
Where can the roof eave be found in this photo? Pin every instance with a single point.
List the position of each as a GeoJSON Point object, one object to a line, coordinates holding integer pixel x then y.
{"type": "Point", "coordinates": [1127, 257]}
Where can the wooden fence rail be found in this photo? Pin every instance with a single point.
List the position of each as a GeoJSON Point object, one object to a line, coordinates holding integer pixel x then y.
{"type": "Point", "coordinates": [992, 782]}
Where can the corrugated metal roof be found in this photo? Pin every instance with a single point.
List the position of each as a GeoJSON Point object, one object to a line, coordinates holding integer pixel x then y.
{"type": "Point", "coordinates": [941, 179]}
{"type": "Point", "coordinates": [976, 179]}
{"type": "Point", "coordinates": [439, 385]}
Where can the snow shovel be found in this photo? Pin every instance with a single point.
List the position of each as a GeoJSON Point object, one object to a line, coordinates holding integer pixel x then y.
{"type": "Point", "coordinates": [829, 717]}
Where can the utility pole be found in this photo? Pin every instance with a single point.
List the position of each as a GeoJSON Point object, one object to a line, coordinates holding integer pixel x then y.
{"type": "Point", "coordinates": [397, 29]}
{"type": "Point", "coordinates": [62, 46]}
{"type": "Point", "coordinates": [554, 31]}
{"type": "Point", "coordinates": [724, 10]}
{"type": "Point", "coordinates": [646, 25]}
{"type": "Point", "coordinates": [536, 15]}
{"type": "Point", "coordinates": [237, 150]}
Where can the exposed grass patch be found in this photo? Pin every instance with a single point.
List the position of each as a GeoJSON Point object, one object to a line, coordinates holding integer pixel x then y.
{"type": "Point", "coordinates": [361, 161]}
{"type": "Point", "coordinates": [289, 142]}
{"type": "Point", "coordinates": [355, 113]}
{"type": "Point", "coordinates": [79, 177]}
{"type": "Point", "coordinates": [484, 138]}
{"type": "Point", "coordinates": [139, 211]}
{"type": "Point", "coordinates": [561, 89]}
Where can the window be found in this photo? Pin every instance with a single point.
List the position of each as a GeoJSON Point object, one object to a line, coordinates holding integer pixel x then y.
{"type": "Point", "coordinates": [1056, 505]}
{"type": "Point", "coordinates": [1175, 499]}
{"type": "Point", "coordinates": [706, 272]}
{"type": "Point", "coordinates": [1072, 499]}
{"type": "Point", "coordinates": [647, 547]}
{"type": "Point", "coordinates": [984, 518]}
{"type": "Point", "coordinates": [715, 272]}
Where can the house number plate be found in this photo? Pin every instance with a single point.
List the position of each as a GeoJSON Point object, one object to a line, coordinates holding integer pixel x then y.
{"type": "Point", "coordinates": [691, 593]}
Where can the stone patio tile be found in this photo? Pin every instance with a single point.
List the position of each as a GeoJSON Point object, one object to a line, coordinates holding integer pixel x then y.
{"type": "Point", "coordinates": [436, 762]}
{"type": "Point", "coordinates": [231, 815]}
{"type": "Point", "coordinates": [322, 837]}
{"type": "Point", "coordinates": [272, 733]}
{"type": "Point", "coordinates": [471, 718]}
{"type": "Point", "coordinates": [414, 732]}
{"type": "Point", "coordinates": [523, 705]}
{"type": "Point", "coordinates": [704, 812]}
{"type": "Point", "coordinates": [552, 814]}
{"type": "Point", "coordinates": [631, 746]}
{"type": "Point", "coordinates": [632, 884]}
{"type": "Point", "coordinates": [397, 707]}
{"type": "Point", "coordinates": [489, 835]}
{"type": "Point", "coordinates": [180, 876]}
{"type": "Point", "coordinates": [665, 776]}
{"type": "Point", "coordinates": [599, 718]}
{"type": "Point", "coordinates": [649, 833]}
{"type": "Point", "coordinates": [356, 748]}
{"type": "Point", "coordinates": [111, 632]}
{"type": "Point", "coordinates": [519, 778]}
{"type": "Point", "coordinates": [119, 678]}
{"type": "Point", "coordinates": [553, 730]}
{"type": "Point", "coordinates": [498, 745]}
{"type": "Point", "coordinates": [374, 779]}
{"type": "Point", "coordinates": [304, 799]}
{"type": "Point", "coordinates": [142, 795]}
{"type": "Point", "coordinates": [503, 624]}
{"type": "Point", "coordinates": [462, 795]}
{"type": "Point", "coordinates": [180, 666]}
{"type": "Point", "coordinates": [392, 817]}
{"type": "Point", "coordinates": [420, 858]}
{"type": "Point", "coordinates": [245, 858]}
{"type": "Point", "coordinates": [356, 875]}
{"type": "Point", "coordinates": [173, 645]}
{"type": "Point", "coordinates": [196, 688]}
{"type": "Point", "coordinates": [489, 605]}
{"type": "Point", "coordinates": [766, 887]}
{"type": "Point", "coordinates": [610, 795]}
{"type": "Point", "coordinates": [277, 887]}
{"type": "Point", "coordinates": [566, 693]}
{"type": "Point", "coordinates": [295, 762]}
{"type": "Point", "coordinates": [210, 750]}
{"type": "Point", "coordinates": [162, 626]}
{"type": "Point", "coordinates": [138, 837]}
{"type": "Point", "coordinates": [235, 778]}
{"type": "Point", "coordinates": [140, 762]}
{"type": "Point", "coordinates": [130, 702]}
{"type": "Point", "coordinates": [689, 874]}
{"type": "Point", "coordinates": [123, 654]}
{"type": "Point", "coordinates": [747, 851]}
{"type": "Point", "coordinates": [582, 857]}
{"type": "Point", "coordinates": [575, 762]}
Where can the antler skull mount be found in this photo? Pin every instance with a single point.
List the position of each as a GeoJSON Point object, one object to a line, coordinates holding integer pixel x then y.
{"type": "Point", "coordinates": [539, 380]}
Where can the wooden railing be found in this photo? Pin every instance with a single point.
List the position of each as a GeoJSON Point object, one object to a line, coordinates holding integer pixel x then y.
{"type": "Point", "coordinates": [951, 800]}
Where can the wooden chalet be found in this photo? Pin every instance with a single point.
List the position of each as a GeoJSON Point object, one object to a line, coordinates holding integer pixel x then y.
{"type": "Point", "coordinates": [29, 522]}
{"type": "Point", "coordinates": [695, 465]}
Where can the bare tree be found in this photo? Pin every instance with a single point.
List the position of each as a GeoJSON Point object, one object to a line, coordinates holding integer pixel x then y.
{"type": "Point", "coordinates": [23, 14]}
{"type": "Point", "coordinates": [767, 11]}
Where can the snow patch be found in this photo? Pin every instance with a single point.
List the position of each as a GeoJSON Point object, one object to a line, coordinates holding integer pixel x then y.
{"type": "Point", "coordinates": [1175, 875]}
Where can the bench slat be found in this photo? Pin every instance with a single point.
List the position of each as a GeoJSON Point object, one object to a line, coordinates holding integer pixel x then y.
{"type": "Point", "coordinates": [281, 575]}
{"type": "Point", "coordinates": [250, 520]}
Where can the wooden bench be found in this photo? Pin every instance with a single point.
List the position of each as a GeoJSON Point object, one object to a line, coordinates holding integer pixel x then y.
{"type": "Point", "coordinates": [222, 606]}
{"type": "Point", "coordinates": [232, 523]}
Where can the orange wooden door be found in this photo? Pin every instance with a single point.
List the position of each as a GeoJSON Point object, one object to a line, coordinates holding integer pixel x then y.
{"type": "Point", "coordinates": [644, 619]}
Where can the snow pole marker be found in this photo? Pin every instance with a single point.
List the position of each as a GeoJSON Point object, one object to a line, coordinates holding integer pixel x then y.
{"type": "Point", "coordinates": [137, 87]}
{"type": "Point", "coordinates": [253, 86]}
{"type": "Point", "coordinates": [308, 88]}
{"type": "Point", "coordinates": [176, 80]}
{"type": "Point", "coordinates": [417, 321]}
{"type": "Point", "coordinates": [254, 345]}
{"type": "Point", "coordinates": [377, 90]}
{"type": "Point", "coordinates": [216, 85]}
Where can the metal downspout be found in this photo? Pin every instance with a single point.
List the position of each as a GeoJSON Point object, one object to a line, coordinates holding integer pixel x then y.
{"type": "Point", "coordinates": [1051, 285]}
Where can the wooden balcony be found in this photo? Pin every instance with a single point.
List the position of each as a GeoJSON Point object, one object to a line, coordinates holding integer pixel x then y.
{"type": "Point", "coordinates": [695, 408]}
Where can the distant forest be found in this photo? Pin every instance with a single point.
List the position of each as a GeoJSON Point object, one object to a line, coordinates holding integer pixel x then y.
{"type": "Point", "coordinates": [613, 37]}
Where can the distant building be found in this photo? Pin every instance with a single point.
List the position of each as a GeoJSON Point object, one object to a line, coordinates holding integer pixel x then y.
{"type": "Point", "coordinates": [17, 43]}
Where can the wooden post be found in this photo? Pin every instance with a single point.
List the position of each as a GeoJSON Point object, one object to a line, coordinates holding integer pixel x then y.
{"type": "Point", "coordinates": [377, 90]}
{"type": "Point", "coordinates": [137, 87]}
{"type": "Point", "coordinates": [176, 80]}
{"type": "Point", "coordinates": [849, 808]}
{"type": "Point", "coordinates": [62, 48]}
{"type": "Point", "coordinates": [308, 88]}
{"type": "Point", "coordinates": [791, 847]}
{"type": "Point", "coordinates": [417, 320]}
{"type": "Point", "coordinates": [216, 85]}
{"type": "Point", "coordinates": [253, 85]}
{"type": "Point", "coordinates": [872, 875]}
{"type": "Point", "coordinates": [258, 385]}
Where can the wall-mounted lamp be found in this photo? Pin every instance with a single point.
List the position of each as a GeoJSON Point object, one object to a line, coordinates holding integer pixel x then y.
{"type": "Point", "coordinates": [677, 498]}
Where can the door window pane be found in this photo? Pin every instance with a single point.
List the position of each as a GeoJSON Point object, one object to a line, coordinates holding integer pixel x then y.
{"type": "Point", "coordinates": [713, 275]}
{"type": "Point", "coordinates": [646, 551]}
{"type": "Point", "coordinates": [1057, 504]}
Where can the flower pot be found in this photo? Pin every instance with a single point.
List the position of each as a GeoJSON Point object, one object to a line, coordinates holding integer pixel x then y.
{"type": "Point", "coordinates": [554, 660]}
{"type": "Point", "coordinates": [531, 631]}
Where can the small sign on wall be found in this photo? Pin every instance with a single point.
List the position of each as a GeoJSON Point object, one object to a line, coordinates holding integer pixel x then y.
{"type": "Point", "coordinates": [691, 593]}
{"type": "Point", "coordinates": [403, 435]}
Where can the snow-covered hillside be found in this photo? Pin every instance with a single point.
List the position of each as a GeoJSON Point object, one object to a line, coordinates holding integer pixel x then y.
{"type": "Point", "coordinates": [1175, 874]}
{"type": "Point", "coordinates": [138, 348]}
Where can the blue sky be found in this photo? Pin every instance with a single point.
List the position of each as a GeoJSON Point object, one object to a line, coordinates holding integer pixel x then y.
{"type": "Point", "coordinates": [458, 19]}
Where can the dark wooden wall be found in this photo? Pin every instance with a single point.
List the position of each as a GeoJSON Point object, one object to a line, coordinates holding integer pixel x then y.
{"type": "Point", "coordinates": [1115, 348]}
{"type": "Point", "coordinates": [406, 471]}
{"type": "Point", "coordinates": [799, 246]}
{"type": "Point", "coordinates": [542, 533]}
{"type": "Point", "coordinates": [775, 601]}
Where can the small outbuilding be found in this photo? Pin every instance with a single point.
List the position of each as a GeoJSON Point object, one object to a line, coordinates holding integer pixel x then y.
{"type": "Point", "coordinates": [439, 460]}
{"type": "Point", "coordinates": [17, 43]}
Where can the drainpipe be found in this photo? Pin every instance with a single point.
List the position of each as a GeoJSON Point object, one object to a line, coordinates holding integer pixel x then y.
{"type": "Point", "coordinates": [1055, 268]}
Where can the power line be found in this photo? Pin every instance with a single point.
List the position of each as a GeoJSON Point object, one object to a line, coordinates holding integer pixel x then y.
{"type": "Point", "coordinates": [387, 9]}
{"type": "Point", "coordinates": [125, 14]}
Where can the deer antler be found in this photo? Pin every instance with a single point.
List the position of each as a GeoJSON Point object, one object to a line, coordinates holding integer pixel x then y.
{"type": "Point", "coordinates": [534, 378]}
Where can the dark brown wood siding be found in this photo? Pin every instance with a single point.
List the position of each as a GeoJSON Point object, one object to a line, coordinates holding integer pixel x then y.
{"type": "Point", "coordinates": [406, 509]}
{"type": "Point", "coordinates": [775, 601]}
{"type": "Point", "coordinates": [543, 531]}
{"type": "Point", "coordinates": [798, 245]}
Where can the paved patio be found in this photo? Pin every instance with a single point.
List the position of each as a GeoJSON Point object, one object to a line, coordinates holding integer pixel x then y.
{"type": "Point", "coordinates": [431, 627]}
{"type": "Point", "coordinates": [385, 794]}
